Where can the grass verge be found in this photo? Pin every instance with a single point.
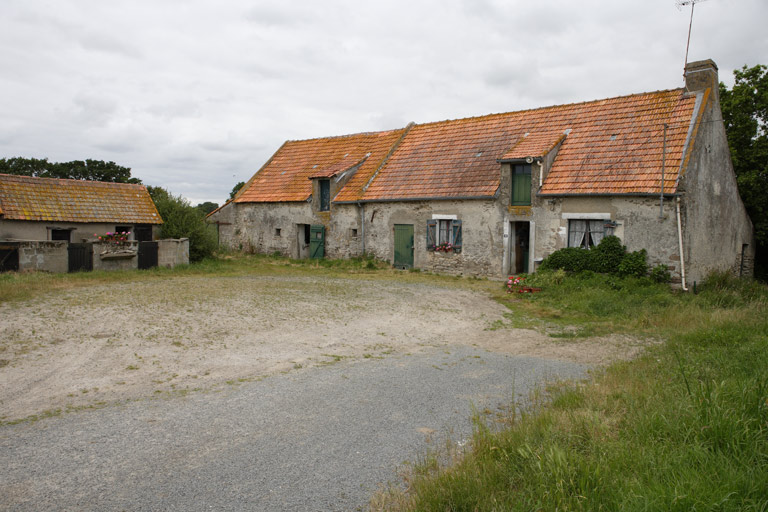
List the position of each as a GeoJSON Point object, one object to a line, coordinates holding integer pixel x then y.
{"type": "Point", "coordinates": [685, 427]}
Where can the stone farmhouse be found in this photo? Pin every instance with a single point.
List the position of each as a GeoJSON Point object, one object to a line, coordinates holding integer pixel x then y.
{"type": "Point", "coordinates": [49, 224]}
{"type": "Point", "coordinates": [494, 195]}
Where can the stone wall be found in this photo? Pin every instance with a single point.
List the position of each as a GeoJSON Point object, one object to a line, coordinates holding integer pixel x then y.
{"type": "Point", "coordinates": [106, 257]}
{"type": "Point", "coordinates": [715, 222]}
{"type": "Point", "coordinates": [44, 256]}
{"type": "Point", "coordinates": [172, 252]}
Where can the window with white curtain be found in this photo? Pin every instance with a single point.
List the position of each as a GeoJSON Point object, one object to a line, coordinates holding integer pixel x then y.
{"type": "Point", "coordinates": [585, 233]}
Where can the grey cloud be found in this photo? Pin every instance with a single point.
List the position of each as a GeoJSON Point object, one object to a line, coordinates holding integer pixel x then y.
{"type": "Point", "coordinates": [175, 110]}
{"type": "Point", "coordinates": [93, 109]}
{"type": "Point", "coordinates": [275, 14]}
{"type": "Point", "coordinates": [109, 44]}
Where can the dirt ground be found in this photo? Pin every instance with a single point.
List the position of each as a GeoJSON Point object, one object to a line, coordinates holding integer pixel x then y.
{"type": "Point", "coordinates": [93, 346]}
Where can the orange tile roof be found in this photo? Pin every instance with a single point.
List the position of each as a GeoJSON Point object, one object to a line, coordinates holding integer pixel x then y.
{"type": "Point", "coordinates": [611, 146]}
{"type": "Point", "coordinates": [534, 145]}
{"type": "Point", "coordinates": [285, 177]}
{"type": "Point", "coordinates": [615, 146]}
{"type": "Point", "coordinates": [345, 164]}
{"type": "Point", "coordinates": [49, 199]}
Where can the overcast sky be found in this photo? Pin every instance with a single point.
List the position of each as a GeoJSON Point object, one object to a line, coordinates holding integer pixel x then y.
{"type": "Point", "coordinates": [195, 95]}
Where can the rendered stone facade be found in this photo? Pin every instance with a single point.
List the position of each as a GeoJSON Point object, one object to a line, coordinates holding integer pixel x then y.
{"type": "Point", "coordinates": [653, 169]}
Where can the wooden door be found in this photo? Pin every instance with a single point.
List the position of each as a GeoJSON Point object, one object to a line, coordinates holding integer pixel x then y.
{"type": "Point", "coordinates": [403, 246]}
{"type": "Point", "coordinates": [317, 241]}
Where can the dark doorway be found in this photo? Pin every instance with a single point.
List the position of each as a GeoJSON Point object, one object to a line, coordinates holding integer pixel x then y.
{"type": "Point", "coordinates": [147, 255]}
{"type": "Point", "coordinates": [303, 236]}
{"type": "Point", "coordinates": [142, 233]}
{"type": "Point", "coordinates": [9, 258]}
{"type": "Point", "coordinates": [80, 257]}
{"type": "Point", "coordinates": [519, 254]}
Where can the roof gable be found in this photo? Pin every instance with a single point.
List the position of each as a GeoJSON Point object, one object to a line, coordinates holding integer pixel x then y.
{"type": "Point", "coordinates": [286, 176]}
{"type": "Point", "coordinates": [52, 199]}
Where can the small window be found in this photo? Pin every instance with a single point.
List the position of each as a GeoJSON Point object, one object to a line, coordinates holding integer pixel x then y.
{"type": "Point", "coordinates": [521, 185]}
{"type": "Point", "coordinates": [123, 229]}
{"type": "Point", "coordinates": [585, 233]}
{"type": "Point", "coordinates": [353, 233]}
{"type": "Point", "coordinates": [61, 234]}
{"type": "Point", "coordinates": [277, 231]}
{"type": "Point", "coordinates": [444, 235]}
{"type": "Point", "coordinates": [325, 195]}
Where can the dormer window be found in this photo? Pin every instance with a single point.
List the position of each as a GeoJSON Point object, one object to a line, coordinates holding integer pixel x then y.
{"type": "Point", "coordinates": [521, 185]}
{"type": "Point", "coordinates": [325, 195]}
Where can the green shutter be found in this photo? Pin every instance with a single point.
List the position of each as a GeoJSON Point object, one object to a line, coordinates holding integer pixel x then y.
{"type": "Point", "coordinates": [456, 226]}
{"type": "Point", "coordinates": [521, 185]}
{"type": "Point", "coordinates": [431, 234]}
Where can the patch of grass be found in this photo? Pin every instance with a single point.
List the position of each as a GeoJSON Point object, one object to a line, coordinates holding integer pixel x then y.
{"type": "Point", "coordinates": [684, 427]}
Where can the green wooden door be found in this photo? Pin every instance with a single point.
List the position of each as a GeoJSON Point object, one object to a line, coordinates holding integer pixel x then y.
{"type": "Point", "coordinates": [403, 246]}
{"type": "Point", "coordinates": [317, 241]}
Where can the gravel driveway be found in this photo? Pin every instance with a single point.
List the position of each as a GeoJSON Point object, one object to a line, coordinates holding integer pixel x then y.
{"type": "Point", "coordinates": [320, 439]}
{"type": "Point", "coordinates": [257, 393]}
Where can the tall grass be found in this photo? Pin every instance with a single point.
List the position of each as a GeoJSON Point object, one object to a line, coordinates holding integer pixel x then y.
{"type": "Point", "coordinates": [685, 427]}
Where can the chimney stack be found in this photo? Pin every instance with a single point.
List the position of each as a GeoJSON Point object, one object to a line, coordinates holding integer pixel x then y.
{"type": "Point", "coordinates": [701, 75]}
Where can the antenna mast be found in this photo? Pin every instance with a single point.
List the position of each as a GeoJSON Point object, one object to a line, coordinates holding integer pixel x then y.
{"type": "Point", "coordinates": [680, 4]}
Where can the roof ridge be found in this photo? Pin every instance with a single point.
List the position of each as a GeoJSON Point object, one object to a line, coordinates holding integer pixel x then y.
{"type": "Point", "coordinates": [348, 135]}
{"type": "Point", "coordinates": [559, 105]}
{"type": "Point", "coordinates": [24, 176]}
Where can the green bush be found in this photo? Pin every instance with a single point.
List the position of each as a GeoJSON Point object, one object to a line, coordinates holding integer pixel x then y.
{"type": "Point", "coordinates": [660, 274]}
{"type": "Point", "coordinates": [634, 264]}
{"type": "Point", "coordinates": [182, 220]}
{"type": "Point", "coordinates": [570, 259]}
{"type": "Point", "coordinates": [608, 257]}
{"type": "Point", "coordinates": [608, 254]}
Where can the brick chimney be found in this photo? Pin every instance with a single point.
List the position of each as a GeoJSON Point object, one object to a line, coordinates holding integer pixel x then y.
{"type": "Point", "coordinates": [701, 75]}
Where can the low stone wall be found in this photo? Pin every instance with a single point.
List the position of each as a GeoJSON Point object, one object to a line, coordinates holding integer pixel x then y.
{"type": "Point", "coordinates": [108, 257]}
{"type": "Point", "coordinates": [172, 252]}
{"type": "Point", "coordinates": [44, 256]}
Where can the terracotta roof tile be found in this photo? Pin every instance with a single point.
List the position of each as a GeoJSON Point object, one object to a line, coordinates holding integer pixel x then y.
{"type": "Point", "coordinates": [48, 199]}
{"type": "Point", "coordinates": [613, 146]}
{"type": "Point", "coordinates": [534, 145]}
{"type": "Point", "coordinates": [285, 177]}
{"type": "Point", "coordinates": [345, 164]}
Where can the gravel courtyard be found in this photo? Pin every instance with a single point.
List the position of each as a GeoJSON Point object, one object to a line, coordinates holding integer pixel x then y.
{"type": "Point", "coordinates": [268, 393]}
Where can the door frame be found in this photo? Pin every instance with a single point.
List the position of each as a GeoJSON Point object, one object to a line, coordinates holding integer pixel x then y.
{"type": "Point", "coordinates": [409, 246]}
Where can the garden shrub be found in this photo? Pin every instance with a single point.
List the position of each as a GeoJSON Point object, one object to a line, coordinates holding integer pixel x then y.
{"type": "Point", "coordinates": [607, 256]}
{"type": "Point", "coordinates": [660, 274]}
{"type": "Point", "coordinates": [634, 264]}
{"type": "Point", "coordinates": [570, 259]}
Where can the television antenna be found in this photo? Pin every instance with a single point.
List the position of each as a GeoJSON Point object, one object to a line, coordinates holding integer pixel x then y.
{"type": "Point", "coordinates": [684, 3]}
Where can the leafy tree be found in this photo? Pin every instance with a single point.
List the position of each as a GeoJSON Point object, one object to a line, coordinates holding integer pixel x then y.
{"type": "Point", "coordinates": [182, 220]}
{"type": "Point", "coordinates": [236, 189]}
{"type": "Point", "coordinates": [745, 113]}
{"type": "Point", "coordinates": [94, 170]}
{"type": "Point", "coordinates": [207, 207]}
